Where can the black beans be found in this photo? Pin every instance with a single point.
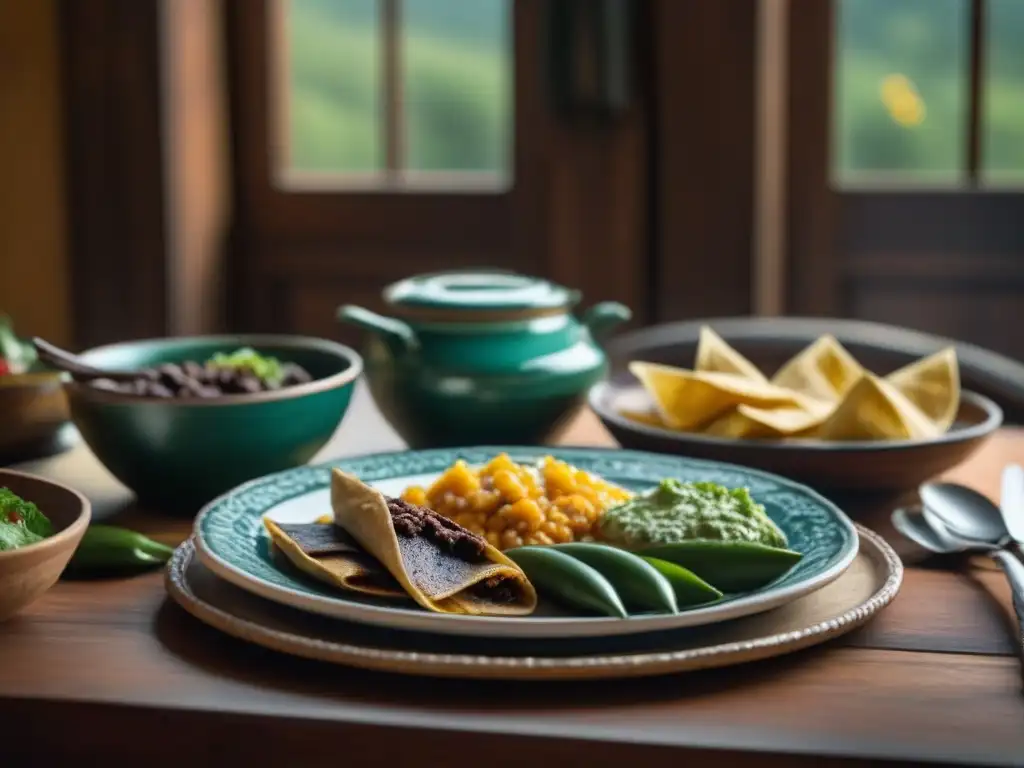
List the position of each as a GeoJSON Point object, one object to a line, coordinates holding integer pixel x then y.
{"type": "Point", "coordinates": [190, 380]}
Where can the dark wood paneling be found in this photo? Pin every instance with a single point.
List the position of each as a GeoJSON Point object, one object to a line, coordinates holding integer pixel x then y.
{"type": "Point", "coordinates": [115, 175]}
{"type": "Point", "coordinates": [945, 222]}
{"type": "Point", "coordinates": [987, 317]}
{"type": "Point", "coordinates": [313, 304]}
{"type": "Point", "coordinates": [813, 287]}
{"type": "Point", "coordinates": [596, 178]}
{"type": "Point", "coordinates": [703, 156]}
{"type": "Point", "coordinates": [984, 271]}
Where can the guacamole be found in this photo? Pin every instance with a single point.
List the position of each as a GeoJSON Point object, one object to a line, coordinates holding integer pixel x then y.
{"type": "Point", "coordinates": [21, 522]}
{"type": "Point", "coordinates": [677, 511]}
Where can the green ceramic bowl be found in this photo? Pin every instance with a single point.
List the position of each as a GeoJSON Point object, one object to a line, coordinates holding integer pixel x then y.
{"type": "Point", "coordinates": [176, 454]}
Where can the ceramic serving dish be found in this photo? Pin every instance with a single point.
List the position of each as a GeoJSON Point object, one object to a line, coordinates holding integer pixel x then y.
{"type": "Point", "coordinates": [231, 540]}
{"type": "Point", "coordinates": [27, 572]}
{"type": "Point", "coordinates": [835, 468]}
{"type": "Point", "coordinates": [481, 356]}
{"type": "Point", "coordinates": [177, 454]}
{"type": "Point", "coordinates": [865, 588]}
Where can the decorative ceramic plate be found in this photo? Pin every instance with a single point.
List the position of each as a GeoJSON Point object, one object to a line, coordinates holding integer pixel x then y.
{"type": "Point", "coordinates": [864, 589]}
{"type": "Point", "coordinates": [231, 539]}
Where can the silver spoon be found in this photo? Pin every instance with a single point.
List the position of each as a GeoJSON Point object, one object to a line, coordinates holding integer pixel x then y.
{"type": "Point", "coordinates": [1011, 502]}
{"type": "Point", "coordinates": [926, 529]}
{"type": "Point", "coordinates": [965, 512]}
{"type": "Point", "coordinates": [915, 526]}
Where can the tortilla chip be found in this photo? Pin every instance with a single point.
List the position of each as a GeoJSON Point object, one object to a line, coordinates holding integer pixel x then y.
{"type": "Point", "coordinates": [714, 355]}
{"type": "Point", "coordinates": [434, 577]}
{"type": "Point", "coordinates": [824, 371]}
{"type": "Point", "coordinates": [749, 422]}
{"type": "Point", "coordinates": [933, 385]}
{"type": "Point", "coordinates": [874, 409]}
{"type": "Point", "coordinates": [690, 400]}
{"type": "Point", "coordinates": [328, 554]}
{"type": "Point", "coordinates": [788, 421]}
{"type": "Point", "coordinates": [736, 424]}
{"type": "Point", "coordinates": [649, 418]}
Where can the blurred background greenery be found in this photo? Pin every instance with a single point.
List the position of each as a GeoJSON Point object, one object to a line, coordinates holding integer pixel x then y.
{"type": "Point", "coordinates": [900, 102]}
{"type": "Point", "coordinates": [456, 77]}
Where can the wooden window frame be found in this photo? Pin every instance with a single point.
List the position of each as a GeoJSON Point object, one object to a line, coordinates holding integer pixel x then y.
{"type": "Point", "coordinates": [841, 237]}
{"type": "Point", "coordinates": [165, 209]}
{"type": "Point", "coordinates": [284, 238]}
{"type": "Point", "coordinates": [392, 177]}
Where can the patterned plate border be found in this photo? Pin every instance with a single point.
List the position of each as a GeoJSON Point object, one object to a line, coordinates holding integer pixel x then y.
{"type": "Point", "coordinates": [481, 666]}
{"type": "Point", "coordinates": [235, 516]}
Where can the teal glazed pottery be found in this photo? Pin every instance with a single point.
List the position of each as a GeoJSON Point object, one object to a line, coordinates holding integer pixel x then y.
{"type": "Point", "coordinates": [178, 454]}
{"type": "Point", "coordinates": [232, 541]}
{"type": "Point", "coordinates": [481, 356]}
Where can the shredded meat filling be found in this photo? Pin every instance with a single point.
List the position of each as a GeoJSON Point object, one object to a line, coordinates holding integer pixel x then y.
{"type": "Point", "coordinates": [497, 589]}
{"type": "Point", "coordinates": [411, 520]}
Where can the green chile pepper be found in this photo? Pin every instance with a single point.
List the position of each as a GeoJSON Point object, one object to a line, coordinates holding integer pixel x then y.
{"type": "Point", "coordinates": [637, 582]}
{"type": "Point", "coordinates": [689, 588]}
{"type": "Point", "coordinates": [107, 548]}
{"type": "Point", "coordinates": [731, 566]}
{"type": "Point", "coordinates": [568, 580]}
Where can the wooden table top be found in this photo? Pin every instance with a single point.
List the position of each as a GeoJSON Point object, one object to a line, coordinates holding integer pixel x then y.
{"type": "Point", "coordinates": [116, 669]}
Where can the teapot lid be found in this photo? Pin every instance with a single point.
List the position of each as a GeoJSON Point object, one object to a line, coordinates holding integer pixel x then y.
{"type": "Point", "coordinates": [479, 292]}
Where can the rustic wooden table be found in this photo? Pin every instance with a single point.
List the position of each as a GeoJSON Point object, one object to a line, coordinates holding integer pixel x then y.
{"type": "Point", "coordinates": [114, 670]}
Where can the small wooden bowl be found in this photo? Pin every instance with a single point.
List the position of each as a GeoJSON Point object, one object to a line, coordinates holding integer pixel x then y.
{"type": "Point", "coordinates": [27, 572]}
{"type": "Point", "coordinates": [894, 466]}
{"type": "Point", "coordinates": [35, 411]}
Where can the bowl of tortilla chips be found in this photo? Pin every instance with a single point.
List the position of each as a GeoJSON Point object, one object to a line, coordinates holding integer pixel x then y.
{"type": "Point", "coordinates": [822, 417]}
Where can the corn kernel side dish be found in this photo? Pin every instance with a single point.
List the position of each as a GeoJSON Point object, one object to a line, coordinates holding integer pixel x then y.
{"type": "Point", "coordinates": [515, 504]}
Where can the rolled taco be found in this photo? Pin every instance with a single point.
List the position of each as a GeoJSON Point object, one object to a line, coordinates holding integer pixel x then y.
{"type": "Point", "coordinates": [328, 553]}
{"type": "Point", "coordinates": [444, 567]}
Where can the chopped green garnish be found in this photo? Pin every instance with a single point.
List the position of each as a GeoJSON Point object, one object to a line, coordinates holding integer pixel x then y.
{"type": "Point", "coordinates": [269, 369]}
{"type": "Point", "coordinates": [19, 355]}
{"type": "Point", "coordinates": [21, 522]}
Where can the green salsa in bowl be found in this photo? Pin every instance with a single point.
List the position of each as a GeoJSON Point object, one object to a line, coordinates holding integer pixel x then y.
{"type": "Point", "coordinates": [178, 453]}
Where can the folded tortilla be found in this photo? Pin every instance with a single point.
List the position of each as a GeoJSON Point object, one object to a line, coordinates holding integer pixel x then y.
{"type": "Point", "coordinates": [326, 552]}
{"type": "Point", "coordinates": [468, 576]}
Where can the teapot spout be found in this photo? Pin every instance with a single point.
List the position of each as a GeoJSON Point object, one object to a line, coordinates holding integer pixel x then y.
{"type": "Point", "coordinates": [395, 332]}
{"type": "Point", "coordinates": [602, 318]}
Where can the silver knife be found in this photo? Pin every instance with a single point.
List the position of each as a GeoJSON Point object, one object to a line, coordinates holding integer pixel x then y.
{"type": "Point", "coordinates": [1011, 502]}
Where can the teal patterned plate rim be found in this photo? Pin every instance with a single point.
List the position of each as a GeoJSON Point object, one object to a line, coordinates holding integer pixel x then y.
{"type": "Point", "coordinates": [231, 540]}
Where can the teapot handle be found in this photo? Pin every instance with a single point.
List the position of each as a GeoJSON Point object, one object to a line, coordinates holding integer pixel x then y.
{"type": "Point", "coordinates": [601, 318]}
{"type": "Point", "coordinates": [393, 330]}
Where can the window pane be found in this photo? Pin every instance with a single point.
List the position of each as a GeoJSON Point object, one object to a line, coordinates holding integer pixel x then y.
{"type": "Point", "coordinates": [1003, 99]}
{"type": "Point", "coordinates": [457, 80]}
{"type": "Point", "coordinates": [333, 85]}
{"type": "Point", "coordinates": [901, 90]}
